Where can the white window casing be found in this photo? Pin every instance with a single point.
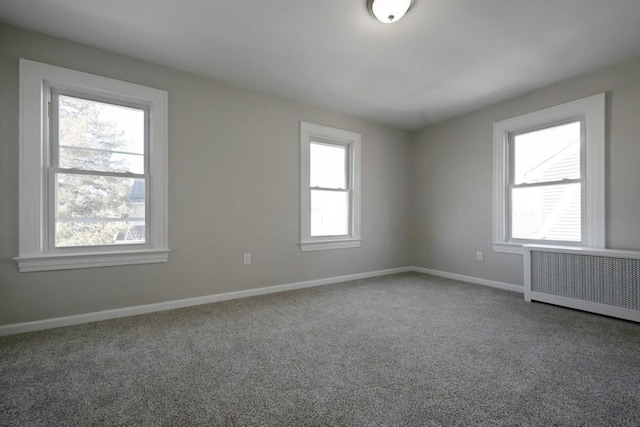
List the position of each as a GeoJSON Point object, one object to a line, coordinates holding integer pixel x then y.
{"type": "Point", "coordinates": [591, 112]}
{"type": "Point", "coordinates": [36, 251]}
{"type": "Point", "coordinates": [314, 133]}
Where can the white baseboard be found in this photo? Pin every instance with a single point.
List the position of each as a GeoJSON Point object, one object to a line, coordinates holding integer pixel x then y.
{"type": "Point", "coordinates": [470, 279]}
{"type": "Point", "coordinates": [17, 328]}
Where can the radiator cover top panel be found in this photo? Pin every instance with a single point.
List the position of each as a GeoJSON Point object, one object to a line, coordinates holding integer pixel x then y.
{"type": "Point", "coordinates": [598, 279]}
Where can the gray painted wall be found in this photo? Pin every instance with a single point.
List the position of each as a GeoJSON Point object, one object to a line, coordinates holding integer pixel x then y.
{"type": "Point", "coordinates": [234, 184]}
{"type": "Point", "coordinates": [452, 169]}
{"type": "Point", "coordinates": [233, 188]}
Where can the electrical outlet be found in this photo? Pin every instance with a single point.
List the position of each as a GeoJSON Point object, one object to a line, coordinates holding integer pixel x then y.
{"type": "Point", "coordinates": [479, 256]}
{"type": "Point", "coordinates": [246, 260]}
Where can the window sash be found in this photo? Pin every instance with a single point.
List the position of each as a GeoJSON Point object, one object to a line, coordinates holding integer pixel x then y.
{"type": "Point", "coordinates": [54, 220]}
{"type": "Point", "coordinates": [54, 118]}
{"type": "Point", "coordinates": [348, 193]}
{"type": "Point", "coordinates": [511, 147]}
{"type": "Point", "coordinates": [346, 171]}
{"type": "Point", "coordinates": [559, 202]}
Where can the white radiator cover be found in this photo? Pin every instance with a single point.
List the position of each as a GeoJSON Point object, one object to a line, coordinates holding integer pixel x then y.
{"type": "Point", "coordinates": [604, 281]}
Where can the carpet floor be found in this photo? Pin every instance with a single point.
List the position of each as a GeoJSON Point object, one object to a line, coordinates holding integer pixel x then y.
{"type": "Point", "coordinates": [406, 349]}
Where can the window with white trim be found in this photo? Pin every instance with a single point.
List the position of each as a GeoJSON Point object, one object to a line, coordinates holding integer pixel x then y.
{"type": "Point", "coordinates": [330, 188]}
{"type": "Point", "coordinates": [92, 170]}
{"type": "Point", "coordinates": [549, 177]}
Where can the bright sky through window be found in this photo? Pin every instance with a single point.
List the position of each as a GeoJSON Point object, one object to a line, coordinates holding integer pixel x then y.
{"type": "Point", "coordinates": [328, 166]}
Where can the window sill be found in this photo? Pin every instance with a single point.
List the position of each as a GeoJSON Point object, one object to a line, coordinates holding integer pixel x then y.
{"type": "Point", "coordinates": [329, 244]}
{"type": "Point", "coordinates": [509, 248]}
{"type": "Point", "coordinates": [518, 248]}
{"type": "Point", "coordinates": [89, 260]}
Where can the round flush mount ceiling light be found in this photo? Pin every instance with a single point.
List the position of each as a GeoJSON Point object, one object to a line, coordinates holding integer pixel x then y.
{"type": "Point", "coordinates": [389, 11]}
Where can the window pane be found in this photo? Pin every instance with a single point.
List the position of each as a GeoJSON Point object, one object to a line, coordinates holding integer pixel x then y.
{"type": "Point", "coordinates": [550, 154]}
{"type": "Point", "coordinates": [328, 166]}
{"type": "Point", "coordinates": [99, 210]}
{"type": "Point", "coordinates": [329, 213]}
{"type": "Point", "coordinates": [551, 212]}
{"type": "Point", "coordinates": [98, 136]}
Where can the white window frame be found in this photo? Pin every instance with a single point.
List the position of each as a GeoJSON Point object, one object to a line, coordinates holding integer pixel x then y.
{"type": "Point", "coordinates": [310, 132]}
{"type": "Point", "coordinates": [35, 251]}
{"type": "Point", "coordinates": [591, 112]}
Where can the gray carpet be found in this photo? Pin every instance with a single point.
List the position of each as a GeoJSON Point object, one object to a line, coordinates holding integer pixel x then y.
{"type": "Point", "coordinates": [406, 349]}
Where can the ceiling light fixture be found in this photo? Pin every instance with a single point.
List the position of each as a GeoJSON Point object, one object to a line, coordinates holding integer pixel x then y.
{"type": "Point", "coordinates": [389, 11]}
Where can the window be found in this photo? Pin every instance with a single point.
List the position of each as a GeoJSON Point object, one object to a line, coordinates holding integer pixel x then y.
{"type": "Point", "coordinates": [92, 170]}
{"type": "Point", "coordinates": [330, 208]}
{"type": "Point", "coordinates": [97, 172]}
{"type": "Point", "coordinates": [549, 177]}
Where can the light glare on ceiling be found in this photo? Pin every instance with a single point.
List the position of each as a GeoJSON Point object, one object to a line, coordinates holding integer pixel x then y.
{"type": "Point", "coordinates": [388, 11]}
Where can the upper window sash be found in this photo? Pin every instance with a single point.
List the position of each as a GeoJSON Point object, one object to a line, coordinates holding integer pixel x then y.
{"type": "Point", "coordinates": [346, 171]}
{"type": "Point", "coordinates": [511, 147]}
{"type": "Point", "coordinates": [53, 131]}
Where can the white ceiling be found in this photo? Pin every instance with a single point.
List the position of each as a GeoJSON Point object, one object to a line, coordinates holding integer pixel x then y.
{"type": "Point", "coordinates": [444, 58]}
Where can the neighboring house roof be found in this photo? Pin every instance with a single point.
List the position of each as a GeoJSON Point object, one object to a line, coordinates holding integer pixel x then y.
{"type": "Point", "coordinates": [560, 165]}
{"type": "Point", "coordinates": [137, 194]}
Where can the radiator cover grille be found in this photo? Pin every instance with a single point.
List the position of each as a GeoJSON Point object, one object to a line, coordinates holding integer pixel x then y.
{"type": "Point", "coordinates": [604, 280]}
